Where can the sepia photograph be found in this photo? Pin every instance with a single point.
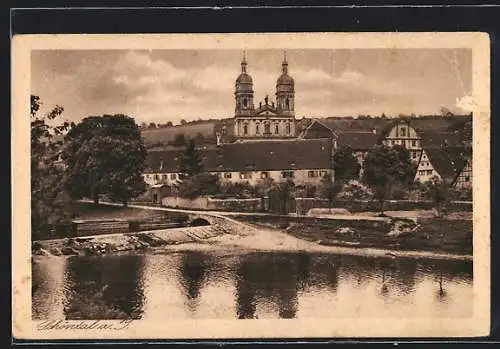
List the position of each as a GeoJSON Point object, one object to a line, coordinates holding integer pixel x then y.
{"type": "Point", "coordinates": [251, 185]}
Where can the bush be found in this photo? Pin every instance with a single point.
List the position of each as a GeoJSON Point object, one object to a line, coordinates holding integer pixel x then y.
{"type": "Point", "coordinates": [354, 190]}
{"type": "Point", "coordinates": [198, 185]}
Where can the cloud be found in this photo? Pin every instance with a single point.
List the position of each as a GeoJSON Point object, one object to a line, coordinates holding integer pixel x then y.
{"type": "Point", "coordinates": [466, 103]}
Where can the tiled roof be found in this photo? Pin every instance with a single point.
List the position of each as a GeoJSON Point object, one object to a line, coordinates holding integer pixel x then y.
{"type": "Point", "coordinates": [358, 140]}
{"type": "Point", "coordinates": [432, 139]}
{"type": "Point", "coordinates": [246, 156]}
{"type": "Point", "coordinates": [447, 161]}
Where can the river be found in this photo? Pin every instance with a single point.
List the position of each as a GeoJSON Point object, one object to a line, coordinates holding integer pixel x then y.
{"type": "Point", "coordinates": [158, 285]}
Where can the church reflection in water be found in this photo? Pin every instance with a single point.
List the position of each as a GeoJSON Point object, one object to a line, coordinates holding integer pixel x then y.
{"type": "Point", "coordinates": [248, 286]}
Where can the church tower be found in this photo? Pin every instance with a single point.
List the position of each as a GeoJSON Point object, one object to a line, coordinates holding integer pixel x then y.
{"type": "Point", "coordinates": [285, 90]}
{"type": "Point", "coordinates": [244, 92]}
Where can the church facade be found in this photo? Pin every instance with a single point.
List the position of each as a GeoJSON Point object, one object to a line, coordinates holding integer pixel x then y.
{"type": "Point", "coordinates": [268, 120]}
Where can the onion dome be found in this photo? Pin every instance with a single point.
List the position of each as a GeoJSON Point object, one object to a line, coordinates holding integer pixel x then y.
{"type": "Point", "coordinates": [244, 81]}
{"type": "Point", "coordinates": [285, 82]}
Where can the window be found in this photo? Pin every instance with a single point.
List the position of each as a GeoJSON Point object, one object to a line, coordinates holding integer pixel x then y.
{"type": "Point", "coordinates": [287, 174]}
{"type": "Point", "coordinates": [312, 174]}
{"type": "Point", "coordinates": [323, 173]}
{"type": "Point", "coordinates": [429, 172]}
{"type": "Point", "coordinates": [227, 175]}
{"type": "Point", "coordinates": [287, 103]}
{"type": "Point", "coordinates": [288, 128]}
{"type": "Point", "coordinates": [264, 174]}
{"type": "Point", "coordinates": [413, 143]}
{"type": "Point", "coordinates": [257, 128]}
{"type": "Point", "coordinates": [245, 175]}
{"type": "Point", "coordinates": [157, 177]}
{"type": "Point", "coordinates": [165, 176]}
{"type": "Point", "coordinates": [244, 102]}
{"type": "Point", "coordinates": [276, 129]}
{"type": "Point", "coordinates": [467, 179]}
{"type": "Point", "coordinates": [267, 128]}
{"type": "Point", "coordinates": [421, 172]}
{"type": "Point", "coordinates": [173, 176]}
{"type": "Point", "coordinates": [403, 132]}
{"type": "Point", "coordinates": [414, 155]}
{"type": "Point", "coordinates": [245, 129]}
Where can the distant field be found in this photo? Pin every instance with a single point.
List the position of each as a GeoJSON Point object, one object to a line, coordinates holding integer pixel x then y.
{"type": "Point", "coordinates": [167, 134]}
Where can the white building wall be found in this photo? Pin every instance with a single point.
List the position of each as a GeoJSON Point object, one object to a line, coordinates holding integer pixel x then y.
{"type": "Point", "coordinates": [303, 176]}
{"type": "Point", "coordinates": [425, 170]}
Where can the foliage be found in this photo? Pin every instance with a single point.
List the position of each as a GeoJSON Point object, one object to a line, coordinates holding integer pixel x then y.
{"type": "Point", "coordinates": [105, 155]}
{"type": "Point", "coordinates": [50, 203]}
{"type": "Point", "coordinates": [439, 192]}
{"type": "Point", "coordinates": [345, 164]}
{"type": "Point", "coordinates": [281, 194]}
{"type": "Point", "coordinates": [328, 189]}
{"type": "Point", "coordinates": [241, 190]}
{"type": "Point", "coordinates": [198, 185]}
{"type": "Point", "coordinates": [354, 190]}
{"type": "Point", "coordinates": [191, 160]}
{"type": "Point", "coordinates": [179, 140]}
{"type": "Point", "coordinates": [386, 167]}
{"type": "Point", "coordinates": [263, 187]}
{"type": "Point", "coordinates": [306, 191]}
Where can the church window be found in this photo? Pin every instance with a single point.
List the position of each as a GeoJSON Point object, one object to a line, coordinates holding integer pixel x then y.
{"type": "Point", "coordinates": [276, 129]}
{"type": "Point", "coordinates": [467, 178]}
{"type": "Point", "coordinates": [245, 129]}
{"type": "Point", "coordinates": [413, 143]}
{"type": "Point", "coordinates": [244, 102]}
{"type": "Point", "coordinates": [257, 128]}
{"type": "Point", "coordinates": [288, 129]}
{"type": "Point", "coordinates": [267, 128]}
{"type": "Point", "coordinates": [157, 177]}
{"type": "Point", "coordinates": [287, 103]}
{"type": "Point", "coordinates": [403, 132]}
{"type": "Point", "coordinates": [173, 176]}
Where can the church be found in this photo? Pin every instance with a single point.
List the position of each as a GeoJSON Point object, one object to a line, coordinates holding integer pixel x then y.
{"type": "Point", "coordinates": [268, 119]}
{"type": "Point", "coordinates": [263, 143]}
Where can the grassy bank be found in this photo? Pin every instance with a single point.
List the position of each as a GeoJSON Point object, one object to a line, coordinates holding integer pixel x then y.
{"type": "Point", "coordinates": [436, 235]}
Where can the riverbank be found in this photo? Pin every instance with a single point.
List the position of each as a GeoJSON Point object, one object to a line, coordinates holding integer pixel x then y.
{"type": "Point", "coordinates": [375, 236]}
{"type": "Point", "coordinates": [436, 235]}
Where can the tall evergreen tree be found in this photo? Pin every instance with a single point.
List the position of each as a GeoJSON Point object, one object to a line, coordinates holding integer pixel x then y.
{"type": "Point", "coordinates": [191, 163]}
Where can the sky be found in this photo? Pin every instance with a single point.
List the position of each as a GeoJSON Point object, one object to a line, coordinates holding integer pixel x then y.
{"type": "Point", "coordinates": [170, 85]}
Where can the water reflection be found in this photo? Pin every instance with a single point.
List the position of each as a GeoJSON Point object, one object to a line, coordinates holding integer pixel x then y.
{"type": "Point", "coordinates": [104, 287]}
{"type": "Point", "coordinates": [246, 286]}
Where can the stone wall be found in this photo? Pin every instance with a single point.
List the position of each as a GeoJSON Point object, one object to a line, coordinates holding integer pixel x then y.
{"type": "Point", "coordinates": [303, 205]}
{"type": "Point", "coordinates": [207, 203]}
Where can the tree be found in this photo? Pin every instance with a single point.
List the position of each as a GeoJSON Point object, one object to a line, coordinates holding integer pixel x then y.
{"type": "Point", "coordinates": [179, 140]}
{"type": "Point", "coordinates": [169, 124]}
{"type": "Point", "coordinates": [345, 164]}
{"type": "Point", "coordinates": [183, 122]}
{"type": "Point", "coordinates": [152, 125]}
{"type": "Point", "coordinates": [191, 163]}
{"type": "Point", "coordinates": [105, 155]}
{"type": "Point", "coordinates": [384, 168]}
{"type": "Point", "coordinates": [329, 189]}
{"type": "Point", "coordinates": [50, 203]}
{"type": "Point", "coordinates": [200, 184]}
{"type": "Point", "coordinates": [281, 194]}
{"type": "Point", "coordinates": [439, 192]}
